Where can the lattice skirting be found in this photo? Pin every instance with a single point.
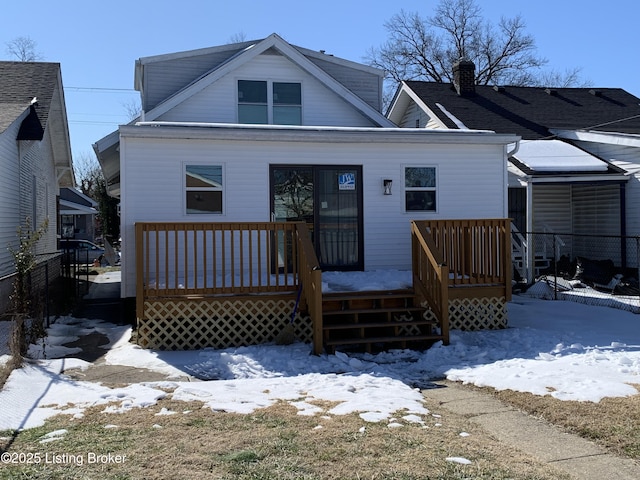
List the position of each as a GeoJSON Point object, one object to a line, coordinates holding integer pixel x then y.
{"type": "Point", "coordinates": [172, 324]}
{"type": "Point", "coordinates": [485, 313]}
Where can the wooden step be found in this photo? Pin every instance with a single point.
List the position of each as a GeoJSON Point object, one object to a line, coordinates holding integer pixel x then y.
{"type": "Point", "coordinates": [382, 340]}
{"type": "Point", "coordinates": [344, 296]}
{"type": "Point", "coordinates": [373, 310]}
{"type": "Point", "coordinates": [354, 326]}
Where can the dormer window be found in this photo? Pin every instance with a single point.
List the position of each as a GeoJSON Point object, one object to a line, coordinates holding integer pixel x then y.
{"type": "Point", "coordinates": [267, 102]}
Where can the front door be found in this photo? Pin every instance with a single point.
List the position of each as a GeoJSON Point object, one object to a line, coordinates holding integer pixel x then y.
{"type": "Point", "coordinates": [329, 199]}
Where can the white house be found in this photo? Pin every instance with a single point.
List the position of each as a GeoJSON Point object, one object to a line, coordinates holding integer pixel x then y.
{"type": "Point", "coordinates": [35, 158]}
{"type": "Point", "coordinates": [265, 130]}
{"type": "Point", "coordinates": [574, 172]}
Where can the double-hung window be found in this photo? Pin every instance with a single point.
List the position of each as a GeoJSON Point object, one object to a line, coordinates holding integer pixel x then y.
{"type": "Point", "coordinates": [264, 102]}
{"type": "Point", "coordinates": [203, 187]}
{"type": "Point", "coordinates": [420, 189]}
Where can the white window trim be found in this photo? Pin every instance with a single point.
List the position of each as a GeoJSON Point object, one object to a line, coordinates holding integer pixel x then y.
{"type": "Point", "coordinates": [406, 189]}
{"type": "Point", "coordinates": [270, 82]}
{"type": "Point", "coordinates": [185, 188]}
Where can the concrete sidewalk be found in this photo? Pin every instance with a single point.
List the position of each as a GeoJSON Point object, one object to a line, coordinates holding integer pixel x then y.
{"type": "Point", "coordinates": [580, 458]}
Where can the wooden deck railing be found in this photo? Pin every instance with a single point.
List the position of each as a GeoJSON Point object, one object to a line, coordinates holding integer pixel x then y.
{"type": "Point", "coordinates": [201, 259]}
{"type": "Point", "coordinates": [430, 276]}
{"type": "Point", "coordinates": [477, 252]}
{"type": "Point", "coordinates": [311, 284]}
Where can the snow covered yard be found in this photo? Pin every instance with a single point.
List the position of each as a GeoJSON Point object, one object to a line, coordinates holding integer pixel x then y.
{"type": "Point", "coordinates": [562, 349]}
{"type": "Point", "coordinates": [567, 350]}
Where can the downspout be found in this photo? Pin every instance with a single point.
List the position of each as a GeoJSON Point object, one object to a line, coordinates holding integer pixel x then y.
{"type": "Point", "coordinates": [509, 154]}
{"type": "Point", "coordinates": [506, 177]}
{"type": "Point", "coordinates": [623, 224]}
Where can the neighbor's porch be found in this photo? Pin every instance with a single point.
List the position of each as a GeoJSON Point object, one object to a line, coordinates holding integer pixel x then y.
{"type": "Point", "coordinates": [234, 284]}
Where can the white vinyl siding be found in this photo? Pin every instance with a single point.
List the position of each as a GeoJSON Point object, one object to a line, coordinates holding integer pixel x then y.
{"type": "Point", "coordinates": [9, 195]}
{"type": "Point", "coordinates": [152, 190]}
{"type": "Point", "coordinates": [218, 102]}
{"type": "Point", "coordinates": [28, 190]}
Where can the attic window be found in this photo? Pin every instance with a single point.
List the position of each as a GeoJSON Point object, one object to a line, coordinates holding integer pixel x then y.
{"type": "Point", "coordinates": [252, 102]}
{"type": "Point", "coordinates": [266, 102]}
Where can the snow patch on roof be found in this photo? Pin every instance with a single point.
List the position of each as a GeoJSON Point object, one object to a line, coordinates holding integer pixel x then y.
{"type": "Point", "coordinates": [453, 118]}
{"type": "Point", "coordinates": [557, 156]}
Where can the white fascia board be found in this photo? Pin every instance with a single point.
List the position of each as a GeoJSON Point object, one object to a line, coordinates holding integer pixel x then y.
{"type": "Point", "coordinates": [226, 131]}
{"type": "Point", "coordinates": [273, 41]}
{"type": "Point", "coordinates": [611, 138]}
{"type": "Point", "coordinates": [580, 179]}
{"type": "Point", "coordinates": [71, 208]}
{"type": "Point", "coordinates": [106, 142]}
{"type": "Point", "coordinates": [397, 104]}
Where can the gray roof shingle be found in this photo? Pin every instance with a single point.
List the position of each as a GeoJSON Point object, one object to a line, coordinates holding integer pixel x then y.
{"type": "Point", "coordinates": [531, 112]}
{"type": "Point", "coordinates": [20, 82]}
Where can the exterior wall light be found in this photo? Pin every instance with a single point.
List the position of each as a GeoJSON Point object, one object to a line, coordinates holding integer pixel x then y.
{"type": "Point", "coordinates": [387, 186]}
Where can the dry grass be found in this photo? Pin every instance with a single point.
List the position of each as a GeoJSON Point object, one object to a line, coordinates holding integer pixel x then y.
{"type": "Point", "coordinates": [274, 443]}
{"type": "Point", "coordinates": [612, 423]}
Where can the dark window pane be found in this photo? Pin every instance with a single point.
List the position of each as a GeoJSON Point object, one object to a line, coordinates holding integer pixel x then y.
{"type": "Point", "coordinates": [204, 176]}
{"type": "Point", "coordinates": [252, 91]}
{"type": "Point", "coordinates": [420, 177]}
{"type": "Point", "coordinates": [293, 193]}
{"type": "Point", "coordinates": [202, 201]}
{"type": "Point", "coordinates": [252, 114]}
{"type": "Point", "coordinates": [421, 201]}
{"type": "Point", "coordinates": [287, 94]}
{"type": "Point", "coordinates": [287, 115]}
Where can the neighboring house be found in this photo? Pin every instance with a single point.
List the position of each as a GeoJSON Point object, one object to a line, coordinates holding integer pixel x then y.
{"type": "Point", "coordinates": [266, 131]}
{"type": "Point", "coordinates": [35, 158]}
{"type": "Point", "coordinates": [571, 172]}
{"type": "Point", "coordinates": [77, 215]}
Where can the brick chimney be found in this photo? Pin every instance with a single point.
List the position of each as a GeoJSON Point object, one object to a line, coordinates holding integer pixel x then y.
{"type": "Point", "coordinates": [464, 77]}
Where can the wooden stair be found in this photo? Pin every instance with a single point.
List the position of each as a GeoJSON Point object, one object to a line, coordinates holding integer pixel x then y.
{"type": "Point", "coordinates": [376, 321]}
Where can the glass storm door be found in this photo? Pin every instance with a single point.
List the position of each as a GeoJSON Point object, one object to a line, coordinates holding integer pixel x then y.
{"type": "Point", "coordinates": [329, 199]}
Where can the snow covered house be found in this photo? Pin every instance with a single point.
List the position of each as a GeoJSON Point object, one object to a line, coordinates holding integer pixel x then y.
{"type": "Point", "coordinates": [575, 170]}
{"type": "Point", "coordinates": [35, 160]}
{"type": "Point", "coordinates": [255, 166]}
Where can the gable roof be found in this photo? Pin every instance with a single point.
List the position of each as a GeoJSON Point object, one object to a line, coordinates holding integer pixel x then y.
{"type": "Point", "coordinates": [530, 112]}
{"type": "Point", "coordinates": [37, 87]}
{"type": "Point", "coordinates": [20, 83]}
{"type": "Point", "coordinates": [239, 56]}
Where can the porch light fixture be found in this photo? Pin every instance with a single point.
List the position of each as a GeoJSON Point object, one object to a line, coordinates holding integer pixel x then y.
{"type": "Point", "coordinates": [386, 183]}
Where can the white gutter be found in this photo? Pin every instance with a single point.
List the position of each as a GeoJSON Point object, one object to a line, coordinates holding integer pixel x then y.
{"type": "Point", "coordinates": [226, 131]}
{"type": "Point", "coordinates": [611, 138]}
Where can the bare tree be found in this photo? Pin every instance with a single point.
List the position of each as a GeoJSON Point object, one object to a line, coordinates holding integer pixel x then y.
{"type": "Point", "coordinates": [23, 49]}
{"type": "Point", "coordinates": [426, 49]}
{"type": "Point", "coordinates": [238, 37]}
{"type": "Point", "coordinates": [92, 183]}
{"type": "Point", "coordinates": [133, 108]}
{"type": "Point", "coordinates": [87, 172]}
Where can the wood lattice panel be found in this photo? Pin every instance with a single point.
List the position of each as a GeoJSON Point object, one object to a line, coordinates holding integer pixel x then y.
{"type": "Point", "coordinates": [485, 313]}
{"type": "Point", "coordinates": [172, 324]}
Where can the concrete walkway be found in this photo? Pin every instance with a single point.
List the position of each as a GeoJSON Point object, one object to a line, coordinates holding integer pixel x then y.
{"type": "Point", "coordinates": [580, 458]}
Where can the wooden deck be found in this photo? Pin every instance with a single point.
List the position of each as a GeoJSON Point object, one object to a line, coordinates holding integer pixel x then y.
{"type": "Point", "coordinates": [234, 284]}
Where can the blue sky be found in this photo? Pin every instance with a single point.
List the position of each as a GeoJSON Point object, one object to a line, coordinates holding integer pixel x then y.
{"type": "Point", "coordinates": [97, 43]}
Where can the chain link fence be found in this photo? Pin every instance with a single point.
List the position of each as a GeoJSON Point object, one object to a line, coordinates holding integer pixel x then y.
{"type": "Point", "coordinates": [593, 269]}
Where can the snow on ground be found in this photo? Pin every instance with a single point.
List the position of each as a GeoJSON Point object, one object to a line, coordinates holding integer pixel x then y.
{"type": "Point", "coordinates": [568, 350]}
